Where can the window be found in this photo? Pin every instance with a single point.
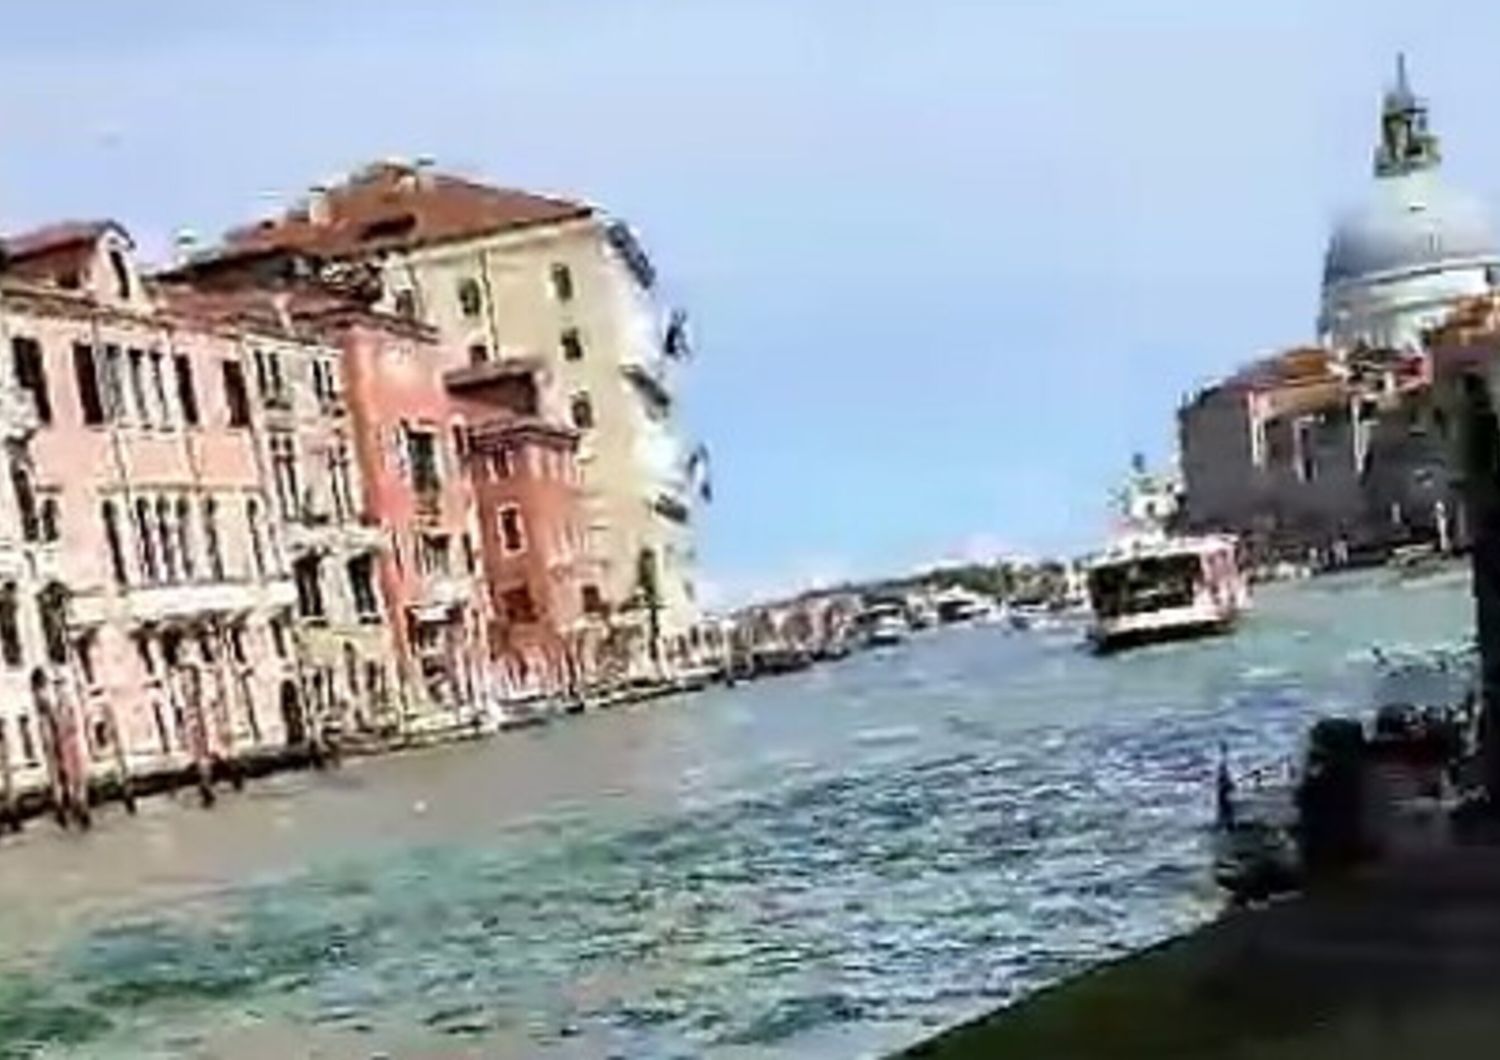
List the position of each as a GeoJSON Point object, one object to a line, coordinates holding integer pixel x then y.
{"type": "Point", "coordinates": [257, 546]}
{"type": "Point", "coordinates": [339, 463]}
{"type": "Point", "coordinates": [187, 394]}
{"type": "Point", "coordinates": [277, 629]}
{"type": "Point", "coordinates": [137, 361]}
{"type": "Point", "coordinates": [421, 455]}
{"type": "Point", "coordinates": [83, 647]}
{"type": "Point", "coordinates": [307, 574]}
{"type": "Point", "coordinates": [28, 740]}
{"type": "Point", "coordinates": [25, 493]}
{"type": "Point", "coordinates": [593, 600]}
{"type": "Point", "coordinates": [583, 412]}
{"type": "Point", "coordinates": [512, 538]}
{"type": "Point", "coordinates": [562, 282]}
{"type": "Point", "coordinates": [31, 375]}
{"type": "Point", "coordinates": [52, 606]}
{"type": "Point", "coordinates": [433, 554]}
{"type": "Point", "coordinates": [262, 379]}
{"type": "Point", "coordinates": [185, 538]}
{"type": "Point", "coordinates": [274, 391]}
{"type": "Point", "coordinates": [1305, 446]}
{"type": "Point", "coordinates": [145, 540]}
{"type": "Point", "coordinates": [478, 353]}
{"type": "Point", "coordinates": [114, 382]}
{"type": "Point", "coordinates": [502, 464]}
{"type": "Point", "coordinates": [237, 643]}
{"type": "Point", "coordinates": [572, 345]}
{"type": "Point", "coordinates": [236, 397]}
{"type": "Point", "coordinates": [121, 272]}
{"type": "Point", "coordinates": [406, 304]}
{"type": "Point", "coordinates": [50, 520]}
{"type": "Point", "coordinates": [10, 626]}
{"type": "Point", "coordinates": [362, 587]}
{"type": "Point", "coordinates": [211, 540]}
{"type": "Point", "coordinates": [519, 607]}
{"type": "Point", "coordinates": [167, 537]}
{"type": "Point", "coordinates": [159, 386]}
{"type": "Point", "coordinates": [469, 559]}
{"type": "Point", "coordinates": [470, 297]}
{"type": "Point", "coordinates": [86, 371]}
{"type": "Point", "coordinates": [284, 474]}
{"type": "Point", "coordinates": [111, 519]}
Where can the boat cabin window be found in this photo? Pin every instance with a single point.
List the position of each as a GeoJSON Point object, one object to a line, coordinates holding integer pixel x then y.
{"type": "Point", "coordinates": [1153, 583]}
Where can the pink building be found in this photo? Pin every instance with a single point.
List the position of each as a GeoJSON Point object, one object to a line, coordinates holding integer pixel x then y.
{"type": "Point", "coordinates": [144, 623]}
{"type": "Point", "coordinates": [544, 597]}
{"type": "Point", "coordinates": [407, 442]}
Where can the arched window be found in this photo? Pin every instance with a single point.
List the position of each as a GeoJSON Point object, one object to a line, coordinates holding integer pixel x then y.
{"type": "Point", "coordinates": [470, 297]}
{"type": "Point", "coordinates": [583, 411]}
{"type": "Point", "coordinates": [112, 540]}
{"type": "Point", "coordinates": [122, 272]}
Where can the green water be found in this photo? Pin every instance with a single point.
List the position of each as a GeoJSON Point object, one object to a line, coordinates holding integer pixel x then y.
{"type": "Point", "coordinates": [827, 864]}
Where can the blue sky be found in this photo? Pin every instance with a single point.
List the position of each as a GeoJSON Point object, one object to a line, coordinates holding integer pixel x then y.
{"type": "Point", "coordinates": [949, 263]}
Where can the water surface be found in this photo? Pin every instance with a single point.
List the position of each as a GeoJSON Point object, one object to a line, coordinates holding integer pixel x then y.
{"type": "Point", "coordinates": [826, 864]}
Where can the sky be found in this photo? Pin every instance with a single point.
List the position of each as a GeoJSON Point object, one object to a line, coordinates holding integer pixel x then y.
{"type": "Point", "coordinates": [949, 264]}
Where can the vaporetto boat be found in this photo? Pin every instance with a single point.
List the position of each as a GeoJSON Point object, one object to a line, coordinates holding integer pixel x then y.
{"type": "Point", "coordinates": [1154, 587]}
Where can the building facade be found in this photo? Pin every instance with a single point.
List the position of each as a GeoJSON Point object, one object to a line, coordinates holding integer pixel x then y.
{"type": "Point", "coordinates": [1330, 450]}
{"type": "Point", "coordinates": [504, 275]}
{"type": "Point", "coordinates": [143, 630]}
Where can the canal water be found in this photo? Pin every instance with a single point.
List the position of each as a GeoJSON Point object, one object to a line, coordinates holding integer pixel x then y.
{"type": "Point", "coordinates": [826, 864]}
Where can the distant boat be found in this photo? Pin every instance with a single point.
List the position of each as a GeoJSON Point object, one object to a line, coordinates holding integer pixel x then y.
{"type": "Point", "coordinates": [960, 605]}
{"type": "Point", "coordinates": [884, 625]}
{"type": "Point", "coordinates": [1158, 587]}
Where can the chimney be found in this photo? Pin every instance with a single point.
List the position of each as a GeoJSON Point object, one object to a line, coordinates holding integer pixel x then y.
{"type": "Point", "coordinates": [319, 209]}
{"type": "Point", "coordinates": [423, 167]}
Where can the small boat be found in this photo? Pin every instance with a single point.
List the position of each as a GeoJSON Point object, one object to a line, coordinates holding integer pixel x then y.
{"type": "Point", "coordinates": [1158, 587]}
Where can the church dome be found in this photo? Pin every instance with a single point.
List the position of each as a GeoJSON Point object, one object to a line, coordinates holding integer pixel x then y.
{"type": "Point", "coordinates": [1412, 222]}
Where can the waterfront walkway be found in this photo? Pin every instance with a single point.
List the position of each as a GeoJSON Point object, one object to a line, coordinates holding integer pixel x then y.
{"type": "Point", "coordinates": [1400, 961]}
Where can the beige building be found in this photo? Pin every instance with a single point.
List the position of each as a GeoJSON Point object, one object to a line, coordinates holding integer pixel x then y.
{"type": "Point", "coordinates": [506, 275]}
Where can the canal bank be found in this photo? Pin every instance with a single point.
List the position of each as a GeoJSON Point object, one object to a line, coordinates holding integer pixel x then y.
{"type": "Point", "coordinates": [1395, 962]}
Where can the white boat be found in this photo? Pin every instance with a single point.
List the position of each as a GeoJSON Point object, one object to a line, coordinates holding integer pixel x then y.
{"type": "Point", "coordinates": [1157, 587]}
{"type": "Point", "coordinates": [958, 604]}
{"type": "Point", "coordinates": [884, 625]}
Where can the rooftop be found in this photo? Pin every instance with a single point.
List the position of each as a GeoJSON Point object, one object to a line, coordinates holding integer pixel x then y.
{"type": "Point", "coordinates": [397, 205]}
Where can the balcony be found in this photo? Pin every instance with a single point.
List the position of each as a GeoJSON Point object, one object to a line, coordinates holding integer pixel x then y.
{"type": "Point", "coordinates": [168, 603]}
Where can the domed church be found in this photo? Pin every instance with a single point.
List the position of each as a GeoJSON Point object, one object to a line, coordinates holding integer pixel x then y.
{"type": "Point", "coordinates": [1399, 262]}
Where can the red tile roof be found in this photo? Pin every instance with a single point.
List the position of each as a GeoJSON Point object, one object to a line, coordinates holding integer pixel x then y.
{"type": "Point", "coordinates": [392, 205]}
{"type": "Point", "coordinates": [62, 235]}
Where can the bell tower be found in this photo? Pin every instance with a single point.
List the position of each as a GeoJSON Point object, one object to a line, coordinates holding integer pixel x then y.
{"type": "Point", "coordinates": [1406, 144]}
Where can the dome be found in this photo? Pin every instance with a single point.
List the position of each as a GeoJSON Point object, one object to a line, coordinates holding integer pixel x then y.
{"type": "Point", "coordinates": [1412, 222]}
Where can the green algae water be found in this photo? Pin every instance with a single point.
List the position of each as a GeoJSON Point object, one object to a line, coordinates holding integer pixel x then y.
{"type": "Point", "coordinates": [832, 863]}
